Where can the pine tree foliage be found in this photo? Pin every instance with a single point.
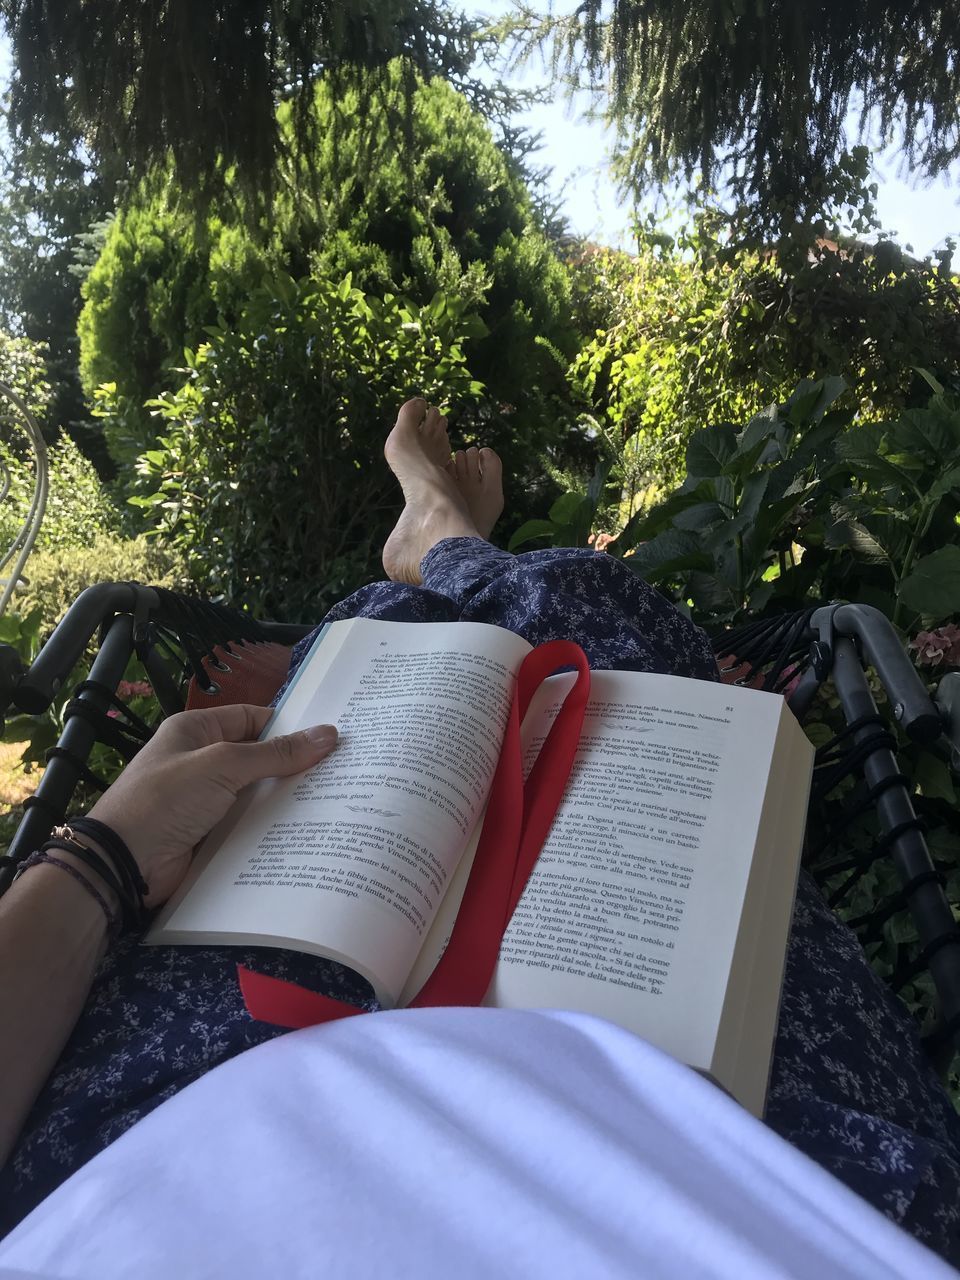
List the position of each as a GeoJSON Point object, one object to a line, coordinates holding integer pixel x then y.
{"type": "Point", "coordinates": [202, 81]}
{"type": "Point", "coordinates": [758, 92]}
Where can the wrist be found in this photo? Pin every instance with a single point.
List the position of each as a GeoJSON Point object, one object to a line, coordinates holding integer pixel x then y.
{"type": "Point", "coordinates": [67, 893]}
{"type": "Point", "coordinates": [100, 847]}
{"type": "Point", "coordinates": [103, 887]}
{"type": "Point", "coordinates": [107, 830]}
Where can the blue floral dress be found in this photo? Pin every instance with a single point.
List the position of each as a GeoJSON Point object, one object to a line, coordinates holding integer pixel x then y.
{"type": "Point", "coordinates": [850, 1087]}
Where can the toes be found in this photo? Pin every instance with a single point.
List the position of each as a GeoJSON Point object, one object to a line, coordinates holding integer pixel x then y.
{"type": "Point", "coordinates": [491, 467]}
{"type": "Point", "coordinates": [460, 460]}
{"type": "Point", "coordinates": [412, 412]}
{"type": "Point", "coordinates": [473, 464]}
{"type": "Point", "coordinates": [434, 423]}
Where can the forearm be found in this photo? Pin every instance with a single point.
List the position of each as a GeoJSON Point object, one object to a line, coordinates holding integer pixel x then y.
{"type": "Point", "coordinates": [52, 936]}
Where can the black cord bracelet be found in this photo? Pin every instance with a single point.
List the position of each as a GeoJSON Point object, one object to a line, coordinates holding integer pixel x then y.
{"type": "Point", "coordinates": [124, 877]}
{"type": "Point", "coordinates": [117, 849]}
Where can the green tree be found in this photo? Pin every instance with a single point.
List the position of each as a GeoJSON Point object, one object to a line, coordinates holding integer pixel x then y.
{"type": "Point", "coordinates": [758, 95]}
{"type": "Point", "coordinates": [459, 222]}
{"type": "Point", "coordinates": [694, 332]}
{"type": "Point", "coordinates": [24, 369]}
{"type": "Point", "coordinates": [78, 505]}
{"type": "Point", "coordinates": [269, 473]}
{"type": "Point", "coordinates": [49, 197]}
{"type": "Point", "coordinates": [201, 82]}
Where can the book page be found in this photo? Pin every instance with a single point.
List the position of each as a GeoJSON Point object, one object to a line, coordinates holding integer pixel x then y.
{"type": "Point", "coordinates": [744, 1049]}
{"type": "Point", "coordinates": [633, 909]}
{"type": "Point", "coordinates": [352, 858]}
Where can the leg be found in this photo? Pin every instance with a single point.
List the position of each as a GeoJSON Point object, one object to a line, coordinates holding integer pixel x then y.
{"type": "Point", "coordinates": [577, 594]}
{"type": "Point", "coordinates": [852, 1088]}
{"type": "Point", "coordinates": [444, 497]}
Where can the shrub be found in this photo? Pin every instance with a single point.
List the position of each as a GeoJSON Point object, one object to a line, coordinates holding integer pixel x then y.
{"type": "Point", "coordinates": [23, 367]}
{"type": "Point", "coordinates": [269, 474]}
{"type": "Point", "coordinates": [695, 331]}
{"type": "Point", "coordinates": [456, 218]}
{"type": "Point", "coordinates": [55, 576]}
{"type": "Point", "coordinates": [78, 505]}
{"type": "Point", "coordinates": [802, 502]}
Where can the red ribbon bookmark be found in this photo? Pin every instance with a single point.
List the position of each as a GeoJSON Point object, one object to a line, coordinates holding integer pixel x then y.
{"type": "Point", "coordinates": [517, 821]}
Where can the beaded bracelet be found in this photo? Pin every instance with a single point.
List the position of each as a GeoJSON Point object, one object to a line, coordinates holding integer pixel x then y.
{"type": "Point", "coordinates": [36, 859]}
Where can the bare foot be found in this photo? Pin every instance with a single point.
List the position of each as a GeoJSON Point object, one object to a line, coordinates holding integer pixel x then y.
{"type": "Point", "coordinates": [479, 477]}
{"type": "Point", "coordinates": [418, 451]}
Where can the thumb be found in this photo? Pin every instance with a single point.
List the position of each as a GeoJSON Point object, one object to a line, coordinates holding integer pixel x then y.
{"type": "Point", "coordinates": [245, 762]}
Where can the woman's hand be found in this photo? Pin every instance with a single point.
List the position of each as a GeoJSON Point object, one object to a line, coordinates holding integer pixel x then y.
{"type": "Point", "coordinates": [188, 776]}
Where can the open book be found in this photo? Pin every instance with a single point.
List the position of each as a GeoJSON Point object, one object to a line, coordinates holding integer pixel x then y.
{"type": "Point", "coordinates": [663, 894]}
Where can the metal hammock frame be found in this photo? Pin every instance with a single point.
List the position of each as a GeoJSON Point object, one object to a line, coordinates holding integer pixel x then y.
{"type": "Point", "coordinates": [26, 536]}
{"type": "Point", "coordinates": [795, 654]}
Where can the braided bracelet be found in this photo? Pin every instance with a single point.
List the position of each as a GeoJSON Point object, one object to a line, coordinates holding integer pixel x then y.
{"type": "Point", "coordinates": [36, 859]}
{"type": "Point", "coordinates": [92, 859]}
{"type": "Point", "coordinates": [117, 849]}
{"type": "Point", "coordinates": [127, 881]}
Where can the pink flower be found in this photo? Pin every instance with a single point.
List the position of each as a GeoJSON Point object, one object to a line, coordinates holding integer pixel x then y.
{"type": "Point", "coordinates": [134, 689]}
{"type": "Point", "coordinates": [794, 672]}
{"type": "Point", "coordinates": [942, 645]}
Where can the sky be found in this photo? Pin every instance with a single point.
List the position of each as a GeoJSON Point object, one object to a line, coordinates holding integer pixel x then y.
{"type": "Point", "coordinates": [576, 150]}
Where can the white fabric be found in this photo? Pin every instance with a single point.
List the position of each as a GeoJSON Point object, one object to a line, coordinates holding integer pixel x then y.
{"type": "Point", "coordinates": [456, 1143]}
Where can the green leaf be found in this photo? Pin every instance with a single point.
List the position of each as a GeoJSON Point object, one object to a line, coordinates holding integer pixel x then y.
{"type": "Point", "coordinates": [17, 728]}
{"type": "Point", "coordinates": [773, 522]}
{"type": "Point", "coordinates": [933, 587]}
{"type": "Point", "coordinates": [710, 449]}
{"type": "Point", "coordinates": [760, 597]}
{"type": "Point", "coordinates": [713, 597]}
{"type": "Point", "coordinates": [9, 628]}
{"type": "Point", "coordinates": [845, 531]}
{"type": "Point", "coordinates": [948, 482]}
{"type": "Point", "coordinates": [818, 733]}
{"type": "Point", "coordinates": [748, 457]}
{"type": "Point", "coordinates": [566, 508]}
{"type": "Point", "coordinates": [760, 428]}
{"type": "Point", "coordinates": [932, 775]}
{"type": "Point", "coordinates": [532, 529]}
{"type": "Point", "coordinates": [700, 516]}
{"type": "Point", "coordinates": [648, 524]}
{"type": "Point", "coordinates": [673, 551]}
{"type": "Point", "coordinates": [921, 437]}
{"type": "Point", "coordinates": [598, 482]}
{"type": "Point", "coordinates": [754, 491]}
{"type": "Point", "coordinates": [935, 386]}
{"type": "Point", "coordinates": [900, 929]}
{"type": "Point", "coordinates": [811, 400]}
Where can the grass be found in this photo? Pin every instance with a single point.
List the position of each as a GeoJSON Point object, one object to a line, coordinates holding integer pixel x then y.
{"type": "Point", "coordinates": [16, 784]}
